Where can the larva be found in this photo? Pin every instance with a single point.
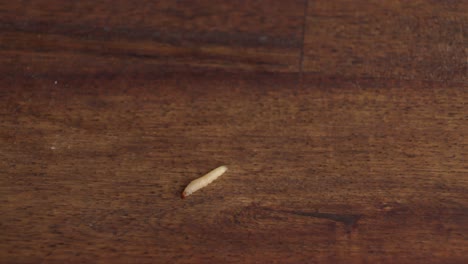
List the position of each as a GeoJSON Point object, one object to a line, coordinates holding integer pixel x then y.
{"type": "Point", "coordinates": [203, 181]}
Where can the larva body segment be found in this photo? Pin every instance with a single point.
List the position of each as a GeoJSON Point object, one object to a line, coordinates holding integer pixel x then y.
{"type": "Point", "coordinates": [203, 181]}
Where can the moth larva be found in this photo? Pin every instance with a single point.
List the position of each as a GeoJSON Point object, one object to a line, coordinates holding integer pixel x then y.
{"type": "Point", "coordinates": [203, 181]}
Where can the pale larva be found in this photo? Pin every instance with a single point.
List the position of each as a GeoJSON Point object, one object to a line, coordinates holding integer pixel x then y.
{"type": "Point", "coordinates": [203, 181]}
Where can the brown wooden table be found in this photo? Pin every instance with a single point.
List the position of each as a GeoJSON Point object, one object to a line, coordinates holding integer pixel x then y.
{"type": "Point", "coordinates": [343, 124]}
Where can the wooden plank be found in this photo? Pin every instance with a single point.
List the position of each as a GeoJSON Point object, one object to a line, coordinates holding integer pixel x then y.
{"type": "Point", "coordinates": [249, 35]}
{"type": "Point", "coordinates": [338, 171]}
{"type": "Point", "coordinates": [109, 108]}
{"type": "Point", "coordinates": [413, 40]}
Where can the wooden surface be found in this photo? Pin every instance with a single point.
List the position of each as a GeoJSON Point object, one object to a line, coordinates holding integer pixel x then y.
{"type": "Point", "coordinates": [343, 124]}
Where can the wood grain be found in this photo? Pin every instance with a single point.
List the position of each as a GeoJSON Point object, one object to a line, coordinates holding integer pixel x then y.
{"type": "Point", "coordinates": [413, 40]}
{"type": "Point", "coordinates": [254, 35]}
{"type": "Point", "coordinates": [327, 165]}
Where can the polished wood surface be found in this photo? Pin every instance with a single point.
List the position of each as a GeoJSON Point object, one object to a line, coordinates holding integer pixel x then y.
{"type": "Point", "coordinates": [343, 124]}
